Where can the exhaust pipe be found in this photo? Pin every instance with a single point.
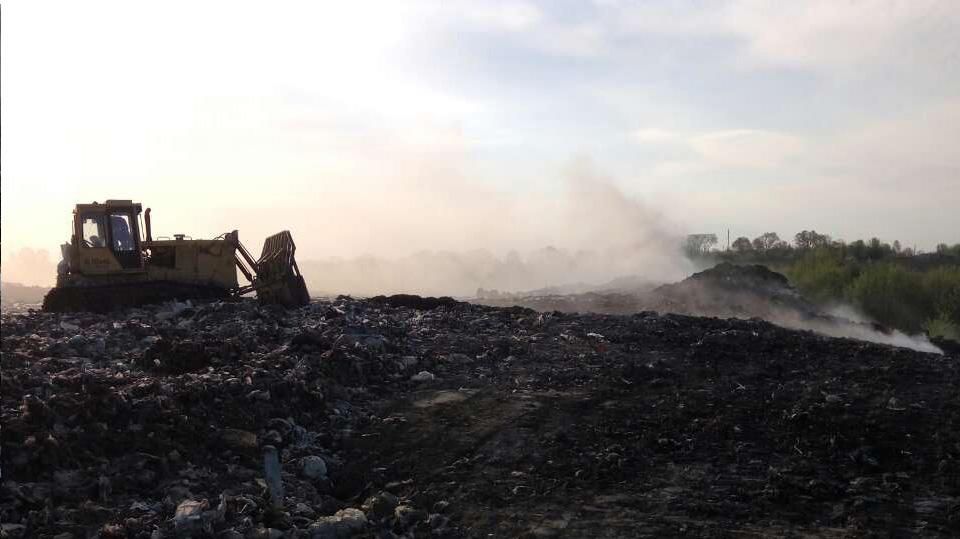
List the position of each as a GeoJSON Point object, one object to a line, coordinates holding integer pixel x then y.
{"type": "Point", "coordinates": [146, 223]}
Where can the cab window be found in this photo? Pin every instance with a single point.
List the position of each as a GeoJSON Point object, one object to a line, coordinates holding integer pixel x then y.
{"type": "Point", "coordinates": [121, 232]}
{"type": "Point", "coordinates": [94, 230]}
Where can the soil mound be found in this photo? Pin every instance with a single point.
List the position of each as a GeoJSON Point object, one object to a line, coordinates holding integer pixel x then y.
{"type": "Point", "coordinates": [726, 290]}
{"type": "Point", "coordinates": [740, 277]}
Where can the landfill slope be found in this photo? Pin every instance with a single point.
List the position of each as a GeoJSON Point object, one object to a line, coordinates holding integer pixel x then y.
{"type": "Point", "coordinates": [433, 418]}
{"type": "Point", "coordinates": [726, 291]}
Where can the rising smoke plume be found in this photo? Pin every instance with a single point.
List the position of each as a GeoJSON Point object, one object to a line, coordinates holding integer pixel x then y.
{"type": "Point", "coordinates": [589, 233]}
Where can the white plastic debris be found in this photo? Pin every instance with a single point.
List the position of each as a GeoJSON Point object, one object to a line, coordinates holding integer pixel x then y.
{"type": "Point", "coordinates": [173, 309]}
{"type": "Point", "coordinates": [343, 523]}
{"type": "Point", "coordinates": [67, 326]}
{"type": "Point", "coordinates": [423, 376]}
{"type": "Point", "coordinates": [189, 513]}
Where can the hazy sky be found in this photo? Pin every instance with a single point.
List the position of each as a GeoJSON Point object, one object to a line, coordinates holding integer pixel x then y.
{"type": "Point", "coordinates": [388, 127]}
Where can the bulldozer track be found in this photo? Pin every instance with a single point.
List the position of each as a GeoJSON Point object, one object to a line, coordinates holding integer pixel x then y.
{"type": "Point", "coordinates": [105, 298]}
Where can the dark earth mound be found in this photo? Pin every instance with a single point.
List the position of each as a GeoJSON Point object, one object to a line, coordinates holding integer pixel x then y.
{"type": "Point", "coordinates": [738, 276]}
{"type": "Point", "coordinates": [732, 290]}
{"type": "Point", "coordinates": [465, 420]}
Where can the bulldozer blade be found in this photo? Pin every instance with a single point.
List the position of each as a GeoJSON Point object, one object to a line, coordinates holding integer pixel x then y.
{"type": "Point", "coordinates": [278, 278]}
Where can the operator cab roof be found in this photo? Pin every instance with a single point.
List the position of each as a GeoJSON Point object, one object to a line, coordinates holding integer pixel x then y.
{"type": "Point", "coordinates": [110, 204]}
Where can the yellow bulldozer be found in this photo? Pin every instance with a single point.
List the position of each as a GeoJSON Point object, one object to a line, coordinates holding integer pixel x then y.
{"type": "Point", "coordinates": [113, 261]}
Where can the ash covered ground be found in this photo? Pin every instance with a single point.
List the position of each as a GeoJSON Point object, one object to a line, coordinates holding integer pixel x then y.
{"type": "Point", "coordinates": [434, 418]}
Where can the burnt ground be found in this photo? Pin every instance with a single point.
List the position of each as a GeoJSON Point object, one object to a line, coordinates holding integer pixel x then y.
{"type": "Point", "coordinates": [466, 420]}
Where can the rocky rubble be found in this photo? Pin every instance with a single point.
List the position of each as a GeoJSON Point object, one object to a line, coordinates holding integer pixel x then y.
{"type": "Point", "coordinates": [421, 417]}
{"type": "Point", "coordinates": [157, 421]}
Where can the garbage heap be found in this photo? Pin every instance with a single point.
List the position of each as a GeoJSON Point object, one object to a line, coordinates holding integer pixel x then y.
{"type": "Point", "coordinates": [726, 290]}
{"type": "Point", "coordinates": [414, 417]}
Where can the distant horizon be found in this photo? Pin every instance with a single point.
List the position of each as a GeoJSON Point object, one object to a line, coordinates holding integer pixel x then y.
{"type": "Point", "coordinates": [28, 261]}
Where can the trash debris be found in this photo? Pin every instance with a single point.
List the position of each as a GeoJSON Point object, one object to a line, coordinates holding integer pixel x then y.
{"type": "Point", "coordinates": [272, 472]}
{"type": "Point", "coordinates": [423, 376]}
{"type": "Point", "coordinates": [69, 327]}
{"type": "Point", "coordinates": [380, 506]}
{"type": "Point", "coordinates": [416, 417]}
{"type": "Point", "coordinates": [313, 467]}
{"type": "Point", "coordinates": [344, 523]}
{"type": "Point", "coordinates": [172, 310]}
{"type": "Point", "coordinates": [188, 517]}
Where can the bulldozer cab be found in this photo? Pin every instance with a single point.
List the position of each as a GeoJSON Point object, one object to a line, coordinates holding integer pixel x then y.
{"type": "Point", "coordinates": [107, 236]}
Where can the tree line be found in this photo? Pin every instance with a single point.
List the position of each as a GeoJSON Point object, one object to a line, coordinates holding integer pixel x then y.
{"type": "Point", "coordinates": [770, 245]}
{"type": "Point", "coordinates": [897, 286]}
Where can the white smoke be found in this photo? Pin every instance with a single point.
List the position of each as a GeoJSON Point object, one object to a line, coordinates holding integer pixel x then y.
{"type": "Point", "coordinates": [590, 232]}
{"type": "Point", "coordinates": [864, 332]}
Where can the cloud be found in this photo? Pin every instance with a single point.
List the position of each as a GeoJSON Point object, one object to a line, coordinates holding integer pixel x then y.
{"type": "Point", "coordinates": [918, 147]}
{"type": "Point", "coordinates": [827, 33]}
{"type": "Point", "coordinates": [530, 28]}
{"type": "Point", "coordinates": [817, 34]}
{"type": "Point", "coordinates": [871, 179]}
{"type": "Point", "coordinates": [750, 148]}
{"type": "Point", "coordinates": [654, 135]}
{"type": "Point", "coordinates": [580, 40]}
{"type": "Point", "coordinates": [506, 16]}
{"type": "Point", "coordinates": [733, 148]}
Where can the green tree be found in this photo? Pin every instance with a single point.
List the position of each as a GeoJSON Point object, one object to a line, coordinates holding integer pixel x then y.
{"type": "Point", "coordinates": [742, 245]}
{"type": "Point", "coordinates": [766, 241]}
{"type": "Point", "coordinates": [858, 250]}
{"type": "Point", "coordinates": [878, 250]}
{"type": "Point", "coordinates": [810, 239]}
{"type": "Point", "coordinates": [822, 275]}
{"type": "Point", "coordinates": [890, 294]}
{"type": "Point", "coordinates": [699, 244]}
{"type": "Point", "coordinates": [942, 286]}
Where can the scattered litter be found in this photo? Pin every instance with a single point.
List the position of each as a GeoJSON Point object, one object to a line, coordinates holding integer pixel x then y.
{"type": "Point", "coordinates": [313, 467]}
{"type": "Point", "coordinates": [226, 419]}
{"type": "Point", "coordinates": [423, 376]}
